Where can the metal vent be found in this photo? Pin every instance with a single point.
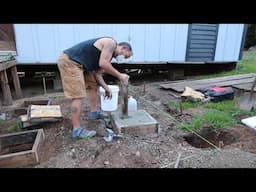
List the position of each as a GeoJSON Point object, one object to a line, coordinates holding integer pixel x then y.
{"type": "Point", "coordinates": [201, 42]}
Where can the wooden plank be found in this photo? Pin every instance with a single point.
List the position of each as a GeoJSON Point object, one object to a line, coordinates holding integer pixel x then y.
{"type": "Point", "coordinates": [44, 111]}
{"type": "Point", "coordinates": [17, 139]}
{"type": "Point", "coordinates": [16, 148]}
{"type": "Point", "coordinates": [196, 82]}
{"type": "Point", "coordinates": [16, 160]}
{"type": "Point", "coordinates": [7, 97]}
{"type": "Point", "coordinates": [7, 64]}
{"type": "Point", "coordinates": [244, 86]}
{"type": "Point", "coordinates": [16, 82]}
{"type": "Point", "coordinates": [180, 88]}
{"type": "Point", "coordinates": [38, 143]}
{"type": "Point", "coordinates": [207, 81]}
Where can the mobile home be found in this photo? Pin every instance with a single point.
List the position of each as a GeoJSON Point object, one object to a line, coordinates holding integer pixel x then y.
{"type": "Point", "coordinates": [41, 44]}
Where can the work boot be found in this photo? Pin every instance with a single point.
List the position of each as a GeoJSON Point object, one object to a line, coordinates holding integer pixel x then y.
{"type": "Point", "coordinates": [81, 133]}
{"type": "Point", "coordinates": [96, 115]}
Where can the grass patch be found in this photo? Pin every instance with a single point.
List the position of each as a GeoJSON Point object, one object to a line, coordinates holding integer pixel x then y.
{"type": "Point", "coordinates": [214, 118]}
{"type": "Point", "coordinates": [217, 115]}
{"type": "Point", "coordinates": [246, 65]}
{"type": "Point", "coordinates": [14, 128]}
{"type": "Point", "coordinates": [218, 119]}
{"type": "Point", "coordinates": [185, 105]}
{"type": "Point", "coordinates": [194, 125]}
{"type": "Point", "coordinates": [226, 106]}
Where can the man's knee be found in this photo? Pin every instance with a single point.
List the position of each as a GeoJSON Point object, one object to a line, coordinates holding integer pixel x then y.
{"type": "Point", "coordinates": [74, 109]}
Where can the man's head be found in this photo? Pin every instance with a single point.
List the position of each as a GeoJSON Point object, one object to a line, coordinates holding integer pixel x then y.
{"type": "Point", "coordinates": [125, 49]}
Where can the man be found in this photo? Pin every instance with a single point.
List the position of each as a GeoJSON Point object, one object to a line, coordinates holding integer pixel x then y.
{"type": "Point", "coordinates": [81, 69]}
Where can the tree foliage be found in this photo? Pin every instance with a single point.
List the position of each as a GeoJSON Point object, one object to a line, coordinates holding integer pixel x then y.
{"type": "Point", "coordinates": [250, 36]}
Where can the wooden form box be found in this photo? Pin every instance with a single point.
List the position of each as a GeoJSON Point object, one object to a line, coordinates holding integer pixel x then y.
{"type": "Point", "coordinates": [20, 149]}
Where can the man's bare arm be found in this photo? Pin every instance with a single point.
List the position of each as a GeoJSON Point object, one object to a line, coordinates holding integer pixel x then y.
{"type": "Point", "coordinates": [105, 59]}
{"type": "Point", "coordinates": [99, 78]}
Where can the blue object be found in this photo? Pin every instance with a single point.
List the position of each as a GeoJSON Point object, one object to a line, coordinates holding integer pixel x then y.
{"type": "Point", "coordinates": [81, 133]}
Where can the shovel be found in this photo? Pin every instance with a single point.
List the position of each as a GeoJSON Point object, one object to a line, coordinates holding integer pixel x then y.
{"type": "Point", "coordinates": [246, 102]}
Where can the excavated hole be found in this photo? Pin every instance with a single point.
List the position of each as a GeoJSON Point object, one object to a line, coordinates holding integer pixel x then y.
{"type": "Point", "coordinates": [219, 138]}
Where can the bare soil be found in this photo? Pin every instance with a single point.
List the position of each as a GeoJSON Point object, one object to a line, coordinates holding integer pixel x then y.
{"type": "Point", "coordinates": [236, 145]}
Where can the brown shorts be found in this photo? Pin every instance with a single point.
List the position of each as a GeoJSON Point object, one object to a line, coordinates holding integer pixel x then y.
{"type": "Point", "coordinates": [75, 80]}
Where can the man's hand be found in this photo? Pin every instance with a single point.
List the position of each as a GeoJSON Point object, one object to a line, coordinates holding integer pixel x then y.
{"type": "Point", "coordinates": [108, 93]}
{"type": "Point", "coordinates": [124, 78]}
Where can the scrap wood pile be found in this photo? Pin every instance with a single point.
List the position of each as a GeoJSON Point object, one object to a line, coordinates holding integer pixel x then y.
{"type": "Point", "coordinates": [38, 114]}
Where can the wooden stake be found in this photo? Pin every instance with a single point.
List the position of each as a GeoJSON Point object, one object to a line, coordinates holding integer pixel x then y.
{"type": "Point", "coordinates": [16, 82]}
{"type": "Point", "coordinates": [124, 96]}
{"type": "Point", "coordinates": [44, 85]}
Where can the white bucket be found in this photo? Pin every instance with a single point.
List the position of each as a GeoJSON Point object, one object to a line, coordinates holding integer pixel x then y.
{"type": "Point", "coordinates": [109, 104]}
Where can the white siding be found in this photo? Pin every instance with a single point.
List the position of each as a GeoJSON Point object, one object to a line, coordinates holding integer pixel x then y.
{"type": "Point", "coordinates": [229, 42]}
{"type": "Point", "coordinates": [42, 43]}
{"type": "Point", "coordinates": [25, 44]}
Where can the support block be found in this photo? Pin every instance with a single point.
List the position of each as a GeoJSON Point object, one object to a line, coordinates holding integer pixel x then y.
{"type": "Point", "coordinates": [137, 123]}
{"type": "Point", "coordinates": [20, 149]}
{"type": "Point", "coordinates": [176, 74]}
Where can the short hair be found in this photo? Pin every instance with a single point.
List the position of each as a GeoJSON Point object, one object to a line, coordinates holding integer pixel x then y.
{"type": "Point", "coordinates": [128, 45]}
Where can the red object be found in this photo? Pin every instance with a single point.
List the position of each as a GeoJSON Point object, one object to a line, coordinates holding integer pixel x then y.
{"type": "Point", "coordinates": [218, 89]}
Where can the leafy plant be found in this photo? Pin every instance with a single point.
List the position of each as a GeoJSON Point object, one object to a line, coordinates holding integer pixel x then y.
{"type": "Point", "coordinates": [14, 128]}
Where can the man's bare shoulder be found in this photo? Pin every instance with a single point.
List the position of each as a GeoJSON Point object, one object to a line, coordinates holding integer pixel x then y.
{"type": "Point", "coordinates": [107, 40]}
{"type": "Point", "coordinates": [102, 42]}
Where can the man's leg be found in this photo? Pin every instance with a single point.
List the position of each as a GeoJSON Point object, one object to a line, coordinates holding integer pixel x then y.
{"type": "Point", "coordinates": [76, 112]}
{"type": "Point", "coordinates": [93, 98]}
{"type": "Point", "coordinates": [74, 87]}
{"type": "Point", "coordinates": [92, 93]}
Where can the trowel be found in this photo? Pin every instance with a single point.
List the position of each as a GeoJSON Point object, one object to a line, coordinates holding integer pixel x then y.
{"type": "Point", "coordinates": [111, 135]}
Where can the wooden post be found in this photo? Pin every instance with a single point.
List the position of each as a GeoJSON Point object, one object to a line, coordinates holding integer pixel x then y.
{"type": "Point", "coordinates": [16, 82]}
{"type": "Point", "coordinates": [44, 84]}
{"type": "Point", "coordinates": [6, 89]}
{"type": "Point", "coordinates": [124, 98]}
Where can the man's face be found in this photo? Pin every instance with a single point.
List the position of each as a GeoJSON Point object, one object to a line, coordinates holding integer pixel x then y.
{"type": "Point", "coordinates": [125, 52]}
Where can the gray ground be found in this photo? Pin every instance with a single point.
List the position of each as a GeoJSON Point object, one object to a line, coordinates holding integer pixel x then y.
{"type": "Point", "coordinates": [168, 149]}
